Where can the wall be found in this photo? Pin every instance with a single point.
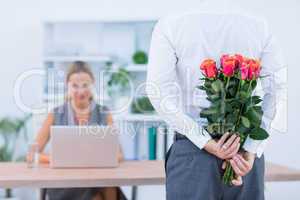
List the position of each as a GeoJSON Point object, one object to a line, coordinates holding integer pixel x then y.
{"type": "Point", "coordinates": [21, 49]}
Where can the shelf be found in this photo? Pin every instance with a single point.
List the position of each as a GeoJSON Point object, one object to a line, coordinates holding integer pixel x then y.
{"type": "Point", "coordinates": [74, 58]}
{"type": "Point", "coordinates": [109, 20]}
{"type": "Point", "coordinates": [139, 118]}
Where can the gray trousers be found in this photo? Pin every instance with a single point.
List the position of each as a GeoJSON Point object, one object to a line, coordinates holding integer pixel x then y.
{"type": "Point", "coordinates": [194, 174]}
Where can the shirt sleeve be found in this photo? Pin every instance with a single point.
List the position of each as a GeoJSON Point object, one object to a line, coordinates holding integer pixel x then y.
{"type": "Point", "coordinates": [272, 64]}
{"type": "Point", "coordinates": [162, 84]}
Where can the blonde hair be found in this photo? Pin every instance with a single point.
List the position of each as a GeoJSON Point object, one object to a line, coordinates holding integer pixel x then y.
{"type": "Point", "coordinates": [79, 67]}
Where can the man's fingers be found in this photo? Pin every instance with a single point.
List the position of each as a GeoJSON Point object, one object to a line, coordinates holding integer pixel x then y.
{"type": "Point", "coordinates": [243, 161]}
{"type": "Point", "coordinates": [237, 181]}
{"type": "Point", "coordinates": [229, 142]}
{"type": "Point", "coordinates": [234, 152]}
{"type": "Point", "coordinates": [223, 139]}
{"type": "Point", "coordinates": [236, 168]}
{"type": "Point", "coordinates": [224, 165]}
{"type": "Point", "coordinates": [243, 167]}
{"type": "Point", "coordinates": [233, 146]}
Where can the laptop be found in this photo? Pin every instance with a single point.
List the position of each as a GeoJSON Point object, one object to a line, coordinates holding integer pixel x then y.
{"type": "Point", "coordinates": [83, 147]}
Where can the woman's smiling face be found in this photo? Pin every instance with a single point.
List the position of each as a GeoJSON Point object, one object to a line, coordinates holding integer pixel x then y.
{"type": "Point", "coordinates": [80, 87]}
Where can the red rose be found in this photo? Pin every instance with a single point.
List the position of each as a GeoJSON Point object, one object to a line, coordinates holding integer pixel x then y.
{"type": "Point", "coordinates": [250, 69]}
{"type": "Point", "coordinates": [244, 70]}
{"type": "Point", "coordinates": [224, 58]}
{"type": "Point", "coordinates": [239, 59]}
{"type": "Point", "coordinates": [228, 68]}
{"type": "Point", "coordinates": [229, 63]}
{"type": "Point", "coordinates": [209, 69]}
{"type": "Point", "coordinates": [254, 69]}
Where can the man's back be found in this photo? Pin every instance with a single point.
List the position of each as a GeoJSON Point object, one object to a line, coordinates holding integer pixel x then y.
{"type": "Point", "coordinates": [212, 34]}
{"type": "Point", "coordinates": [180, 43]}
{"type": "Point", "coordinates": [194, 37]}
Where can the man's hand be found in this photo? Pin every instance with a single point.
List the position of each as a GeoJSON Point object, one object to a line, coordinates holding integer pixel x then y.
{"type": "Point", "coordinates": [242, 163]}
{"type": "Point", "coordinates": [224, 150]}
{"type": "Point", "coordinates": [237, 181]}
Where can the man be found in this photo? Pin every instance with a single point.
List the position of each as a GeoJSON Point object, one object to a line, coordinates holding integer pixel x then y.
{"type": "Point", "coordinates": [194, 162]}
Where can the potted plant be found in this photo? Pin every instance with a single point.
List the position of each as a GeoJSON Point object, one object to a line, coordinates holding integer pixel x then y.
{"type": "Point", "coordinates": [140, 57]}
{"type": "Point", "coordinates": [118, 87]}
{"type": "Point", "coordinates": [10, 130]}
{"type": "Point", "coordinates": [142, 105]}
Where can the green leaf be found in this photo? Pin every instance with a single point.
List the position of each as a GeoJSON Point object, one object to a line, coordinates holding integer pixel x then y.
{"type": "Point", "coordinates": [253, 84]}
{"type": "Point", "coordinates": [217, 86]}
{"type": "Point", "coordinates": [213, 118]}
{"type": "Point", "coordinates": [209, 111]}
{"type": "Point", "coordinates": [232, 117]}
{"type": "Point", "coordinates": [245, 121]}
{"type": "Point", "coordinates": [228, 108]}
{"type": "Point", "coordinates": [207, 83]}
{"type": "Point", "coordinates": [232, 91]}
{"type": "Point", "coordinates": [255, 100]}
{"type": "Point", "coordinates": [243, 95]}
{"type": "Point", "coordinates": [242, 129]}
{"type": "Point", "coordinates": [258, 134]}
{"type": "Point", "coordinates": [254, 114]}
{"type": "Point", "coordinates": [213, 97]}
{"type": "Point", "coordinates": [202, 88]}
{"type": "Point", "coordinates": [210, 128]}
{"type": "Point", "coordinates": [251, 102]}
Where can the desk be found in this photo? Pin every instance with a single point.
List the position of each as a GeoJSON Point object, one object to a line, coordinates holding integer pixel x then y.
{"type": "Point", "coordinates": [128, 173]}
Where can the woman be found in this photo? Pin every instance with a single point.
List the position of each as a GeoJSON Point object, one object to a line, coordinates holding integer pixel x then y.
{"type": "Point", "coordinates": [79, 109]}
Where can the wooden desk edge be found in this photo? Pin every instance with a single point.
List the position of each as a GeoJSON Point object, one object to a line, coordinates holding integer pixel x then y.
{"type": "Point", "coordinates": [286, 174]}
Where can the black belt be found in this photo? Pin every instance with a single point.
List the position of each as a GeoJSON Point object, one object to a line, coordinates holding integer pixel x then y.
{"type": "Point", "coordinates": [179, 136]}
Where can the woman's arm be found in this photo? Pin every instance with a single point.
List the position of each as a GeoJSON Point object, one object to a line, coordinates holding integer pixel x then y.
{"type": "Point", "coordinates": [42, 137]}
{"type": "Point", "coordinates": [109, 120]}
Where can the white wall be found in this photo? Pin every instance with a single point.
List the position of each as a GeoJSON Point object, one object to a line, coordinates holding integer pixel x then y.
{"type": "Point", "coordinates": [21, 49]}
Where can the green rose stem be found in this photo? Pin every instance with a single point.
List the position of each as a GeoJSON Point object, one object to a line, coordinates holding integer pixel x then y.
{"type": "Point", "coordinates": [229, 173]}
{"type": "Point", "coordinates": [228, 169]}
{"type": "Point", "coordinates": [242, 107]}
{"type": "Point", "coordinates": [227, 82]}
{"type": "Point", "coordinates": [224, 100]}
{"type": "Point", "coordinates": [249, 87]}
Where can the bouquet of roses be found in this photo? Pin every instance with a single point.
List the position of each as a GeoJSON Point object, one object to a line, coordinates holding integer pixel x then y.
{"type": "Point", "coordinates": [233, 108]}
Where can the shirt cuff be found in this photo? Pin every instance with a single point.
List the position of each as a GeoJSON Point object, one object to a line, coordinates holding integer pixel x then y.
{"type": "Point", "coordinates": [199, 139]}
{"type": "Point", "coordinates": [252, 145]}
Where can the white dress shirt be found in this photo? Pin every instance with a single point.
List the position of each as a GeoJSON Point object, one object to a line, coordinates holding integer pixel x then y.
{"type": "Point", "coordinates": [180, 43]}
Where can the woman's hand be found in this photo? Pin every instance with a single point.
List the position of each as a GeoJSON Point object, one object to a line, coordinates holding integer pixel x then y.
{"type": "Point", "coordinates": [224, 150]}
{"type": "Point", "coordinates": [43, 158]}
{"type": "Point", "coordinates": [120, 154]}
